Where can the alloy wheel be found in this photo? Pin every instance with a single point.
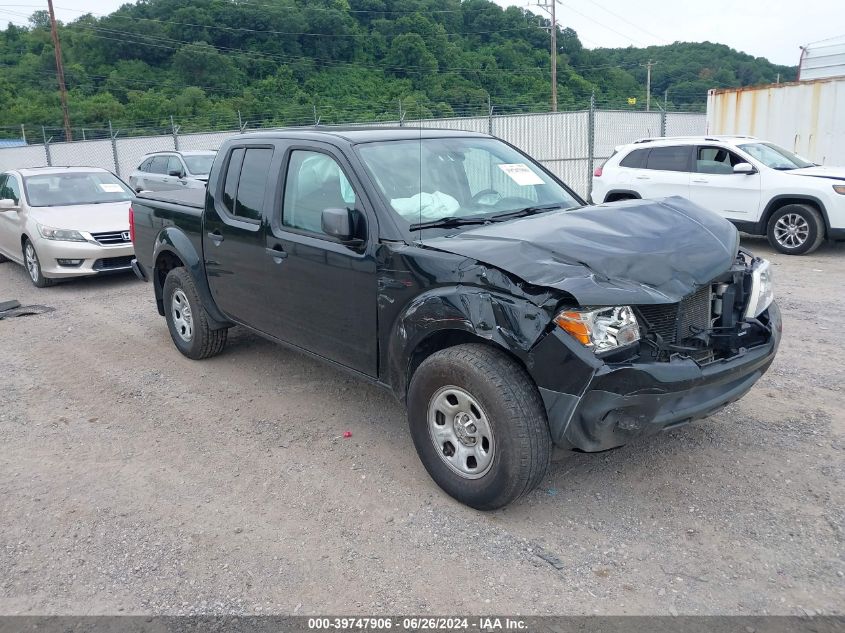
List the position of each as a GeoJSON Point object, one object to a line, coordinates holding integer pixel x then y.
{"type": "Point", "coordinates": [791, 230]}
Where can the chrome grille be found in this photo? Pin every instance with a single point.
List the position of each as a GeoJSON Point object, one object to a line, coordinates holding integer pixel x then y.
{"type": "Point", "coordinates": [111, 238]}
{"type": "Point", "coordinates": [675, 322]}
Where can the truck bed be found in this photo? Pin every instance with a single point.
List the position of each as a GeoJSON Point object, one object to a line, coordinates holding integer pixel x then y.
{"type": "Point", "coordinates": [187, 197]}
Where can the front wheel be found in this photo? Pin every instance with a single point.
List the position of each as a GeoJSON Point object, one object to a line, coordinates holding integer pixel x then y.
{"type": "Point", "coordinates": [796, 229]}
{"type": "Point", "coordinates": [186, 318]}
{"type": "Point", "coordinates": [479, 426]}
{"type": "Point", "coordinates": [33, 266]}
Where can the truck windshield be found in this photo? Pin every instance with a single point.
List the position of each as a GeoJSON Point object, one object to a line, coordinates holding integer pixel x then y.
{"type": "Point", "coordinates": [199, 165]}
{"type": "Point", "coordinates": [775, 157]}
{"type": "Point", "coordinates": [429, 180]}
{"type": "Point", "coordinates": [72, 188]}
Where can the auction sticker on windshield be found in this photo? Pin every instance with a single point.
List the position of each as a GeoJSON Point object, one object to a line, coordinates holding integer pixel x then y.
{"type": "Point", "coordinates": [521, 174]}
{"type": "Point", "coordinates": [111, 187]}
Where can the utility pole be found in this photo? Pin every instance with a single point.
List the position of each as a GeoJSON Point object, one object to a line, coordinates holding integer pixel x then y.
{"type": "Point", "coordinates": [549, 7]}
{"type": "Point", "coordinates": [60, 71]}
{"type": "Point", "coordinates": [648, 84]}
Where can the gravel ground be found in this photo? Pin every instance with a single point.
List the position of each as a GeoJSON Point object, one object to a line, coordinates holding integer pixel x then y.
{"type": "Point", "coordinates": [133, 480]}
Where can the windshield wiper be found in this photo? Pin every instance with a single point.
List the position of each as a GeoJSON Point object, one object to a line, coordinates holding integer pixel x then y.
{"type": "Point", "coordinates": [521, 213]}
{"type": "Point", "coordinates": [449, 222]}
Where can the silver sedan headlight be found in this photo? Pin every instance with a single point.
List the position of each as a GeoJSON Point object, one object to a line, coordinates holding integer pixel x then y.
{"type": "Point", "coordinates": [762, 291]}
{"type": "Point", "coordinates": [601, 329]}
{"type": "Point", "coordinates": [63, 235]}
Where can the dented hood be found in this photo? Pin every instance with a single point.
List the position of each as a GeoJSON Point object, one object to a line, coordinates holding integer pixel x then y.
{"type": "Point", "coordinates": [625, 253]}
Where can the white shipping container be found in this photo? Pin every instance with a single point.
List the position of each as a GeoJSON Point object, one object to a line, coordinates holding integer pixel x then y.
{"type": "Point", "coordinates": [807, 117]}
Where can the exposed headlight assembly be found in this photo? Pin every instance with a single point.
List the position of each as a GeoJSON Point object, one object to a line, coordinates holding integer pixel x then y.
{"type": "Point", "coordinates": [762, 291]}
{"type": "Point", "coordinates": [63, 235]}
{"type": "Point", "coordinates": [601, 329]}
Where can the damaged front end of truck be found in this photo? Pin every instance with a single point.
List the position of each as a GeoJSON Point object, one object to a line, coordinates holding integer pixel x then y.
{"type": "Point", "coordinates": [631, 319]}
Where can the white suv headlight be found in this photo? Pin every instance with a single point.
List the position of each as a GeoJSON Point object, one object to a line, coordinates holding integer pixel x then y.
{"type": "Point", "coordinates": [601, 329]}
{"type": "Point", "coordinates": [64, 235]}
{"type": "Point", "coordinates": [762, 290]}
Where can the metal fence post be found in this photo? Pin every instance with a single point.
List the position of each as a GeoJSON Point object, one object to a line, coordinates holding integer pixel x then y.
{"type": "Point", "coordinates": [175, 129]}
{"type": "Point", "coordinates": [113, 137]}
{"type": "Point", "coordinates": [47, 147]}
{"type": "Point", "coordinates": [662, 122]}
{"type": "Point", "coordinates": [591, 142]}
{"type": "Point", "coordinates": [401, 114]}
{"type": "Point", "coordinates": [489, 116]}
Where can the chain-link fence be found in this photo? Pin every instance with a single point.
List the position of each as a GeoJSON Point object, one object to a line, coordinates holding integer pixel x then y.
{"type": "Point", "coordinates": [570, 144]}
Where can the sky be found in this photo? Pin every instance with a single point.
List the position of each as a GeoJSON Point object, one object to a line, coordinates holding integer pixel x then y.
{"type": "Point", "coordinates": [764, 28]}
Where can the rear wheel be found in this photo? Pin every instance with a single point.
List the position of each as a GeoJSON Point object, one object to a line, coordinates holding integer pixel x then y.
{"type": "Point", "coordinates": [33, 266]}
{"type": "Point", "coordinates": [479, 425]}
{"type": "Point", "coordinates": [186, 318]}
{"type": "Point", "coordinates": [796, 229]}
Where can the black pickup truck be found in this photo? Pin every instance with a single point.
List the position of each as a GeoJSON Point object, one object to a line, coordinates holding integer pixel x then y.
{"type": "Point", "coordinates": [457, 272]}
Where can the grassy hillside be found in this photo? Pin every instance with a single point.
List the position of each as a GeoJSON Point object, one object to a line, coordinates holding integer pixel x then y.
{"type": "Point", "coordinates": [278, 61]}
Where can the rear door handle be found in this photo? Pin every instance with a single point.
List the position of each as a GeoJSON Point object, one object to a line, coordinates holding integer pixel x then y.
{"type": "Point", "coordinates": [215, 237]}
{"type": "Point", "coordinates": [276, 253]}
{"type": "Point", "coordinates": [643, 177]}
{"type": "Point", "coordinates": [700, 180]}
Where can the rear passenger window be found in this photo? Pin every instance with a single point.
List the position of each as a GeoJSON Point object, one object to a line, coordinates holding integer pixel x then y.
{"type": "Point", "coordinates": [635, 160]}
{"type": "Point", "coordinates": [159, 165]}
{"type": "Point", "coordinates": [253, 183]}
{"type": "Point", "coordinates": [675, 158]}
{"type": "Point", "coordinates": [233, 172]}
{"type": "Point", "coordinates": [246, 182]}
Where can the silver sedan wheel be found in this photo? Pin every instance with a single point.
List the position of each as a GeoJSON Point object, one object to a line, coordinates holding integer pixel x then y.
{"type": "Point", "coordinates": [792, 230]}
{"type": "Point", "coordinates": [460, 431]}
{"type": "Point", "coordinates": [31, 260]}
{"type": "Point", "coordinates": [183, 319]}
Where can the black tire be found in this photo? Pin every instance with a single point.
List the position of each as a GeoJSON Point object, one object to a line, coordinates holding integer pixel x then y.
{"type": "Point", "coordinates": [512, 407]}
{"type": "Point", "coordinates": [197, 340]}
{"type": "Point", "coordinates": [35, 275]}
{"type": "Point", "coordinates": [806, 242]}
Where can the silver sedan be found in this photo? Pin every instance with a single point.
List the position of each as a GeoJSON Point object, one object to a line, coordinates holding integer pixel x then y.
{"type": "Point", "coordinates": [64, 222]}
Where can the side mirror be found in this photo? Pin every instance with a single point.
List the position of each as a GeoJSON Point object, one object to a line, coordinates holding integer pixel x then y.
{"type": "Point", "coordinates": [7, 204]}
{"type": "Point", "coordinates": [176, 172]}
{"type": "Point", "coordinates": [744, 168]}
{"type": "Point", "coordinates": [337, 223]}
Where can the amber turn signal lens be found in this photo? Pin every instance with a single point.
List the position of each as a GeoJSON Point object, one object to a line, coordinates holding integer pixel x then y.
{"type": "Point", "coordinates": [573, 323]}
{"type": "Point", "coordinates": [839, 189]}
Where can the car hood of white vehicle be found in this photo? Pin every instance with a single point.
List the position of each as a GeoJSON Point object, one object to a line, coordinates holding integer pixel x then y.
{"type": "Point", "coordinates": [821, 171]}
{"type": "Point", "coordinates": [92, 218]}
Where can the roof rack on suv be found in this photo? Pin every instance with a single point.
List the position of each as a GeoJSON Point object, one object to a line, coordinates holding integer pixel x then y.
{"type": "Point", "coordinates": [714, 137]}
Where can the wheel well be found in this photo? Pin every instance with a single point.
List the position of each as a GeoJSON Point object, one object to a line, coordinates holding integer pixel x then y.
{"type": "Point", "coordinates": [443, 339]}
{"type": "Point", "coordinates": [166, 262]}
{"type": "Point", "coordinates": [782, 202]}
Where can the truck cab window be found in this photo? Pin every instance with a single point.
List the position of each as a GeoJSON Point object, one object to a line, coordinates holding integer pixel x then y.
{"type": "Point", "coordinates": [314, 182]}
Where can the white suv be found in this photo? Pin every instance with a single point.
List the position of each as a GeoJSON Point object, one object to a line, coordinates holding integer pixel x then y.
{"type": "Point", "coordinates": [762, 188]}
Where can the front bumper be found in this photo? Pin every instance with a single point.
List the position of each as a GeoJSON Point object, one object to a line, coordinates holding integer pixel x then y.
{"type": "Point", "coordinates": [625, 401]}
{"type": "Point", "coordinates": [96, 259]}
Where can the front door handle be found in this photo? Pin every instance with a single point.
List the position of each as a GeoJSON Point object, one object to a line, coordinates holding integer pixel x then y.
{"type": "Point", "coordinates": [276, 253]}
{"type": "Point", "coordinates": [643, 177]}
{"type": "Point", "coordinates": [700, 180]}
{"type": "Point", "coordinates": [215, 237]}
